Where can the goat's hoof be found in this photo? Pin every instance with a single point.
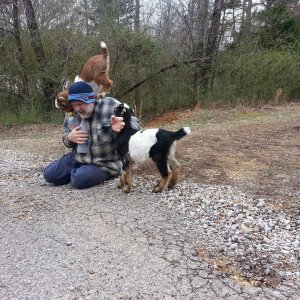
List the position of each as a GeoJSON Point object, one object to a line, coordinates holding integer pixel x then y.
{"type": "Point", "coordinates": [120, 184]}
{"type": "Point", "coordinates": [126, 189]}
{"type": "Point", "coordinates": [157, 189]}
{"type": "Point", "coordinates": [172, 183]}
{"type": "Point", "coordinates": [171, 186]}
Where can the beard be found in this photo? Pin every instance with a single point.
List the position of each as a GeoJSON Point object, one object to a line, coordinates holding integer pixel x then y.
{"type": "Point", "coordinates": [88, 111]}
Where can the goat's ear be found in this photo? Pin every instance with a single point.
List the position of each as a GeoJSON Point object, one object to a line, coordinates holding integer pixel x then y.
{"type": "Point", "coordinates": [55, 103]}
{"type": "Point", "coordinates": [132, 110]}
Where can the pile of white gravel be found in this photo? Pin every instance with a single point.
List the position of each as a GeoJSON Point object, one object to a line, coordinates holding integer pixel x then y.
{"type": "Point", "coordinates": [263, 243]}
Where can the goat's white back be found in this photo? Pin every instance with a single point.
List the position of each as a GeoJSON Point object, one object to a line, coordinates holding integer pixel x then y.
{"type": "Point", "coordinates": [140, 144]}
{"type": "Point", "coordinates": [96, 88]}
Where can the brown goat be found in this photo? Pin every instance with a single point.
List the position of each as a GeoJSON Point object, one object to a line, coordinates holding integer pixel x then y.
{"type": "Point", "coordinates": [95, 73]}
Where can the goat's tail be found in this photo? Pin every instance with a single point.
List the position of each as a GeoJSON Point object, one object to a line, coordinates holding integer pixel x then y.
{"type": "Point", "coordinates": [181, 133]}
{"type": "Point", "coordinates": [104, 49]}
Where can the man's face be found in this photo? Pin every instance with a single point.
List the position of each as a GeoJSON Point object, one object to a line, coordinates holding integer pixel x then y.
{"type": "Point", "coordinates": [84, 110]}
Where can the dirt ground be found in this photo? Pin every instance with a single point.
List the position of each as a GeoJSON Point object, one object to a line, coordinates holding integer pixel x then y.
{"type": "Point", "coordinates": [255, 149]}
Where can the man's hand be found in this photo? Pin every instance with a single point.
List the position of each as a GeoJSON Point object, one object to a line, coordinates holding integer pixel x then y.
{"type": "Point", "coordinates": [78, 136]}
{"type": "Point", "coordinates": [117, 123]}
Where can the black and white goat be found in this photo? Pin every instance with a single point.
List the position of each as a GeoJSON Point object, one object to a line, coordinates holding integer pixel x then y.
{"type": "Point", "coordinates": [138, 146]}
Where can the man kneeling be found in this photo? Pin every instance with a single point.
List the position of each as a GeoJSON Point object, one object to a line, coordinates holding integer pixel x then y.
{"type": "Point", "coordinates": [96, 127]}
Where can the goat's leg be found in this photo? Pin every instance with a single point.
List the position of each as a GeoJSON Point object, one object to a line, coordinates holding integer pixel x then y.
{"type": "Point", "coordinates": [127, 171]}
{"type": "Point", "coordinates": [105, 84]}
{"type": "Point", "coordinates": [121, 182]}
{"type": "Point", "coordinates": [162, 165]}
{"type": "Point", "coordinates": [175, 172]}
{"type": "Point", "coordinates": [128, 178]}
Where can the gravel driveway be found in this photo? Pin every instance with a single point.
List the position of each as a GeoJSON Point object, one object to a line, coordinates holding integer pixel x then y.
{"type": "Point", "coordinates": [195, 242]}
{"type": "Point", "coordinates": [229, 230]}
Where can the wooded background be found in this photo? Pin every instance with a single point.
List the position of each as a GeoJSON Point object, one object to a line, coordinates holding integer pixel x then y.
{"type": "Point", "coordinates": [165, 54]}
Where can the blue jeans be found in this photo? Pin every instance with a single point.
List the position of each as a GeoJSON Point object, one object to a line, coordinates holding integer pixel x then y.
{"type": "Point", "coordinates": [66, 170]}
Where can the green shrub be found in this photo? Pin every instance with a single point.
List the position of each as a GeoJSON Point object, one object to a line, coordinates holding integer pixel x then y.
{"type": "Point", "coordinates": [255, 77]}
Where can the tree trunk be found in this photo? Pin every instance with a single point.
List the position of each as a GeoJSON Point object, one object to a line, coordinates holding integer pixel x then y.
{"type": "Point", "coordinates": [86, 15]}
{"type": "Point", "coordinates": [248, 17]}
{"type": "Point", "coordinates": [200, 43]}
{"type": "Point", "coordinates": [16, 25]}
{"type": "Point", "coordinates": [36, 43]}
{"type": "Point", "coordinates": [212, 44]}
{"type": "Point", "coordinates": [137, 94]}
{"type": "Point", "coordinates": [244, 5]}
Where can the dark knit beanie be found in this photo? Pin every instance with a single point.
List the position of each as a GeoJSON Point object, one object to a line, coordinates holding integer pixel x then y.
{"type": "Point", "coordinates": [81, 91]}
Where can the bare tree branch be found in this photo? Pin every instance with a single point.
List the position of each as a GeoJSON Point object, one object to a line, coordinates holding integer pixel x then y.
{"type": "Point", "coordinates": [175, 65]}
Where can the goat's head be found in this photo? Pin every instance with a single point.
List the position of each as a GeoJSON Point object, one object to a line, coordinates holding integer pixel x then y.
{"type": "Point", "coordinates": [123, 110]}
{"type": "Point", "coordinates": [61, 101]}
